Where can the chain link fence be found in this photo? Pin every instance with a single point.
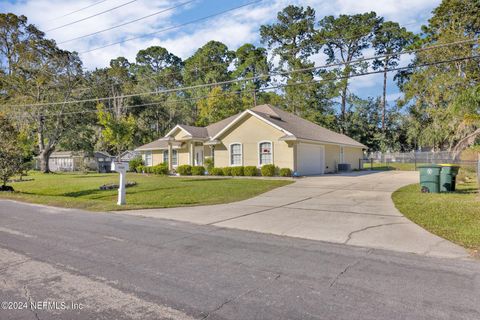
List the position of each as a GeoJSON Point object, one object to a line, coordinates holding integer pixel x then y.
{"type": "Point", "coordinates": [470, 163]}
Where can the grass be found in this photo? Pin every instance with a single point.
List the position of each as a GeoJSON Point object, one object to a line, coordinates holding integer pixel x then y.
{"type": "Point", "coordinates": [454, 216]}
{"type": "Point", "coordinates": [82, 191]}
{"type": "Point", "coordinates": [381, 166]}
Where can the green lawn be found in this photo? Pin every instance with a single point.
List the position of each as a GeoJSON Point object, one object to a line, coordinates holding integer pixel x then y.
{"type": "Point", "coordinates": [453, 216]}
{"type": "Point", "coordinates": [82, 191]}
{"type": "Point", "coordinates": [391, 166]}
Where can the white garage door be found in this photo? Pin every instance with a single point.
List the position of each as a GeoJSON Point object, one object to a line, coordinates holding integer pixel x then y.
{"type": "Point", "coordinates": [311, 159]}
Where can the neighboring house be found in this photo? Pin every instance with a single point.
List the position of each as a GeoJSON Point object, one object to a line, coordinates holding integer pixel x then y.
{"type": "Point", "coordinates": [65, 161]}
{"type": "Point", "coordinates": [68, 161]}
{"type": "Point", "coordinates": [129, 155]}
{"type": "Point", "coordinates": [255, 137]}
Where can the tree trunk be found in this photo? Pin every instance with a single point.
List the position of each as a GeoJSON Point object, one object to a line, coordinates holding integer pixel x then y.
{"type": "Point", "coordinates": [44, 156]}
{"type": "Point", "coordinates": [343, 110]}
{"type": "Point", "coordinates": [384, 99]}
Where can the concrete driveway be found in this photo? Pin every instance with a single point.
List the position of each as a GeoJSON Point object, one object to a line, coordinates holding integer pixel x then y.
{"type": "Point", "coordinates": [353, 209]}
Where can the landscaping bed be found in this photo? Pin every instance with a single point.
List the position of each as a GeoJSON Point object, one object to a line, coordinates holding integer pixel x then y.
{"type": "Point", "coordinates": [152, 191]}
{"type": "Point", "coordinates": [454, 216]}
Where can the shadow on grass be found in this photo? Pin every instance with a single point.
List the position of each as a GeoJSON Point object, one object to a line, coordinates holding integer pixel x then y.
{"type": "Point", "coordinates": [84, 193]}
{"type": "Point", "coordinates": [471, 190]}
{"type": "Point", "coordinates": [93, 175]}
{"type": "Point", "coordinates": [203, 179]}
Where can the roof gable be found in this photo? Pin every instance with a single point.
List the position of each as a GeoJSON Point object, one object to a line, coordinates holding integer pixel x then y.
{"type": "Point", "coordinates": [303, 129]}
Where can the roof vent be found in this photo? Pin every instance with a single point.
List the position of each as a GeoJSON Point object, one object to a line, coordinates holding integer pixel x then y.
{"type": "Point", "coordinates": [274, 117]}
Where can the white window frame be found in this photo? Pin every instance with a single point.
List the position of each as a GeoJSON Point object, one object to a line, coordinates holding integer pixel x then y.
{"type": "Point", "coordinates": [260, 153]}
{"type": "Point", "coordinates": [146, 156]}
{"type": "Point", "coordinates": [342, 155]}
{"type": "Point", "coordinates": [230, 154]}
{"type": "Point", "coordinates": [174, 157]}
{"type": "Point", "coordinates": [164, 160]}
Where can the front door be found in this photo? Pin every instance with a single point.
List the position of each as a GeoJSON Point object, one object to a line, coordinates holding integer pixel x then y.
{"type": "Point", "coordinates": [199, 156]}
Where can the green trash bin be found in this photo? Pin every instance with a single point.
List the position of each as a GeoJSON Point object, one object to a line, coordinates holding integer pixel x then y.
{"type": "Point", "coordinates": [430, 178]}
{"type": "Point", "coordinates": [448, 177]}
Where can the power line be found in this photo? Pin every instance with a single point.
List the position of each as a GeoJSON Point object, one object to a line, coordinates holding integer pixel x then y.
{"type": "Point", "coordinates": [214, 64]}
{"type": "Point", "coordinates": [173, 27]}
{"type": "Point", "coordinates": [129, 22]}
{"type": "Point", "coordinates": [285, 85]}
{"type": "Point", "coordinates": [89, 17]}
{"type": "Point", "coordinates": [260, 76]}
{"type": "Point", "coordinates": [70, 13]}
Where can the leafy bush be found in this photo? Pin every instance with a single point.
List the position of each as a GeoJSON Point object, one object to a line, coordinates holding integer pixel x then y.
{"type": "Point", "coordinates": [198, 171]}
{"type": "Point", "coordinates": [250, 171]}
{"type": "Point", "coordinates": [160, 169]}
{"type": "Point", "coordinates": [227, 171]}
{"type": "Point", "coordinates": [185, 170]}
{"type": "Point", "coordinates": [209, 164]}
{"type": "Point", "coordinates": [135, 163]}
{"type": "Point", "coordinates": [216, 172]}
{"type": "Point", "coordinates": [268, 170]}
{"type": "Point", "coordinates": [237, 171]}
{"type": "Point", "coordinates": [140, 168]}
{"type": "Point", "coordinates": [285, 172]}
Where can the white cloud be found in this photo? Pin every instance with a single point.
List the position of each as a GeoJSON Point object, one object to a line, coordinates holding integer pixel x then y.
{"type": "Point", "coordinates": [233, 29]}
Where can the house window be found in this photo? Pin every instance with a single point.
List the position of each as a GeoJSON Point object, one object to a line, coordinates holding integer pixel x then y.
{"type": "Point", "coordinates": [174, 157]}
{"type": "Point", "coordinates": [147, 158]}
{"type": "Point", "coordinates": [342, 155]}
{"type": "Point", "coordinates": [265, 153]}
{"type": "Point", "coordinates": [236, 154]}
{"type": "Point", "coordinates": [165, 156]}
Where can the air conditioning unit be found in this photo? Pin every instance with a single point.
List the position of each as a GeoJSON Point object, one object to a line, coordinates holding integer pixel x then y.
{"type": "Point", "coordinates": [344, 167]}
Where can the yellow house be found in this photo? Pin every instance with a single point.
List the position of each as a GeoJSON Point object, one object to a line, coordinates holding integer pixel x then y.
{"type": "Point", "coordinates": [255, 137]}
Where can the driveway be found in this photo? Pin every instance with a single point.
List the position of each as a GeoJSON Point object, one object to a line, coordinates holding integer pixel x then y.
{"type": "Point", "coordinates": [354, 209]}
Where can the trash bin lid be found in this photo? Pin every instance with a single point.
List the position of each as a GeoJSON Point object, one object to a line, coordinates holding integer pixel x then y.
{"type": "Point", "coordinates": [448, 165]}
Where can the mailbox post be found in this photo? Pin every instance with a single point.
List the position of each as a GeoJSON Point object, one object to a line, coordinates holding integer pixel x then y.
{"type": "Point", "coordinates": [122, 169]}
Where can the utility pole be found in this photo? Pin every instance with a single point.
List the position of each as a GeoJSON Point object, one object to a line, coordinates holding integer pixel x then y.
{"type": "Point", "coordinates": [254, 89]}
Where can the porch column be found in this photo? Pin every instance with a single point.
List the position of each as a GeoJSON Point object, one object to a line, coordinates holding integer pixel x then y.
{"type": "Point", "coordinates": [192, 156]}
{"type": "Point", "coordinates": [170, 158]}
{"type": "Point", "coordinates": [212, 153]}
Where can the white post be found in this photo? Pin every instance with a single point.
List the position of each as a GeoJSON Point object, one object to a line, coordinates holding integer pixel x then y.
{"type": "Point", "coordinates": [122, 169]}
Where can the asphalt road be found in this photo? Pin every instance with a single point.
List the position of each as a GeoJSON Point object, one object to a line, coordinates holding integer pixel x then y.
{"type": "Point", "coordinates": [114, 266]}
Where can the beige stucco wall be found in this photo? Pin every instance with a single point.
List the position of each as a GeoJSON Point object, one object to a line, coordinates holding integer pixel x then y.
{"type": "Point", "coordinates": [249, 132]}
{"type": "Point", "coordinates": [332, 157]}
{"type": "Point", "coordinates": [157, 157]}
{"type": "Point", "coordinates": [352, 156]}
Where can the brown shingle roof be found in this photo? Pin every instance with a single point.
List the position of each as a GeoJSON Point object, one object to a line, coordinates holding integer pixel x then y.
{"type": "Point", "coordinates": [216, 127]}
{"type": "Point", "coordinates": [298, 127]}
{"type": "Point", "coordinates": [157, 144]}
{"type": "Point", "coordinates": [301, 128]}
{"type": "Point", "coordinates": [196, 132]}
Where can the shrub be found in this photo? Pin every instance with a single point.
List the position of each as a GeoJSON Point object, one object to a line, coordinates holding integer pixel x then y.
{"type": "Point", "coordinates": [250, 171]}
{"type": "Point", "coordinates": [185, 170]}
{"type": "Point", "coordinates": [237, 171]}
{"type": "Point", "coordinates": [209, 163]}
{"type": "Point", "coordinates": [285, 172]}
{"type": "Point", "coordinates": [227, 171]}
{"type": "Point", "coordinates": [268, 170]}
{"type": "Point", "coordinates": [216, 172]}
{"type": "Point", "coordinates": [140, 169]}
{"type": "Point", "coordinates": [160, 169]}
{"type": "Point", "coordinates": [198, 171]}
{"type": "Point", "coordinates": [135, 163]}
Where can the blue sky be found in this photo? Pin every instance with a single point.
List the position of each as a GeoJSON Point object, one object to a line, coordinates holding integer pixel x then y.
{"type": "Point", "coordinates": [234, 28]}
